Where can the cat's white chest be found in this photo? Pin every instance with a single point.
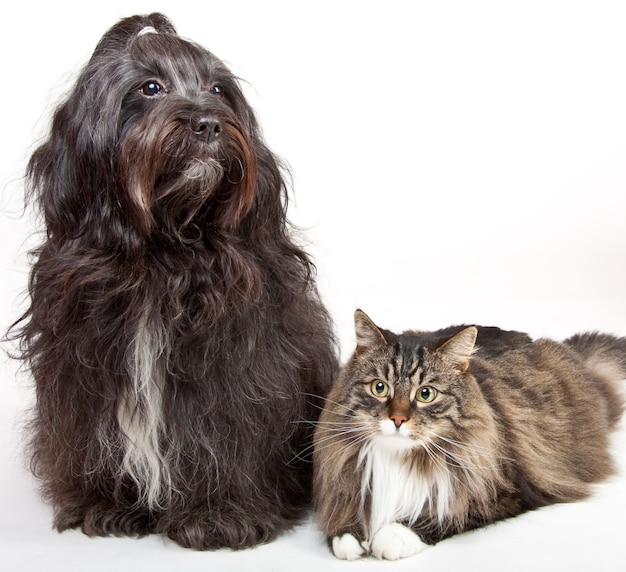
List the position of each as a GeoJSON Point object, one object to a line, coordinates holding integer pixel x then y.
{"type": "Point", "coordinates": [398, 490]}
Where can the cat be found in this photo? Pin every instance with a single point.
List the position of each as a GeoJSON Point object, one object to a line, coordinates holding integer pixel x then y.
{"type": "Point", "coordinates": [429, 434]}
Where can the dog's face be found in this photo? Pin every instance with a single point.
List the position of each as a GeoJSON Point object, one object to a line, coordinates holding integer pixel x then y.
{"type": "Point", "coordinates": [184, 128]}
{"type": "Point", "coordinates": [158, 128]}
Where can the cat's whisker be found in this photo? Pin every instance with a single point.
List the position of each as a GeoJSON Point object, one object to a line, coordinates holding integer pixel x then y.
{"type": "Point", "coordinates": [338, 447]}
{"type": "Point", "coordinates": [437, 461]}
{"type": "Point", "coordinates": [470, 469]}
{"type": "Point", "coordinates": [456, 460]}
{"type": "Point", "coordinates": [476, 451]}
{"type": "Point", "coordinates": [473, 448]}
{"type": "Point", "coordinates": [360, 432]}
{"type": "Point", "coordinates": [327, 401]}
{"type": "Point", "coordinates": [339, 437]}
{"type": "Point", "coordinates": [327, 424]}
{"type": "Point", "coordinates": [441, 459]}
{"type": "Point", "coordinates": [441, 464]}
{"type": "Point", "coordinates": [343, 443]}
{"type": "Point", "coordinates": [329, 431]}
{"type": "Point", "coordinates": [350, 415]}
{"type": "Point", "coordinates": [305, 422]}
{"type": "Point", "coordinates": [477, 448]}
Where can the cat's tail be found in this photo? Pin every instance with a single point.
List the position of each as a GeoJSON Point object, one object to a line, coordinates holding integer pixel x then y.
{"type": "Point", "coordinates": [603, 353]}
{"type": "Point", "coordinates": [605, 356]}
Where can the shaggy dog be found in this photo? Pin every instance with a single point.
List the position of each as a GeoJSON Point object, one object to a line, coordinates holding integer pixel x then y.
{"type": "Point", "coordinates": [175, 334]}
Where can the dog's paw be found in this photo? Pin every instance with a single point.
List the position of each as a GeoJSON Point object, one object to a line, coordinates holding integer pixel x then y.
{"type": "Point", "coordinates": [394, 541]}
{"type": "Point", "coordinates": [211, 530]}
{"type": "Point", "coordinates": [347, 547]}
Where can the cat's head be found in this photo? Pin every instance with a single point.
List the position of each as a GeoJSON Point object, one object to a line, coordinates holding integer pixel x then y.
{"type": "Point", "coordinates": [407, 391]}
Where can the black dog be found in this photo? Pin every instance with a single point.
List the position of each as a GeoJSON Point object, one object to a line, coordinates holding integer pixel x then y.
{"type": "Point", "coordinates": [175, 331]}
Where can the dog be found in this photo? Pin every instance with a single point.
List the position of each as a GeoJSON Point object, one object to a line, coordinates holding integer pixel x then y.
{"type": "Point", "coordinates": [175, 333]}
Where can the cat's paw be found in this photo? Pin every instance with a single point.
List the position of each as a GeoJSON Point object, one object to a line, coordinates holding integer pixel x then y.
{"type": "Point", "coordinates": [347, 547]}
{"type": "Point", "coordinates": [394, 541]}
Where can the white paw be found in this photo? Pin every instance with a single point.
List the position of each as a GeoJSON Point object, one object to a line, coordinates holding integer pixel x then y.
{"type": "Point", "coordinates": [347, 547]}
{"type": "Point", "coordinates": [394, 541]}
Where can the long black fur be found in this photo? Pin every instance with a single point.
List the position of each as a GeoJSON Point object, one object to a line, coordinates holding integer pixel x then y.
{"type": "Point", "coordinates": [174, 329]}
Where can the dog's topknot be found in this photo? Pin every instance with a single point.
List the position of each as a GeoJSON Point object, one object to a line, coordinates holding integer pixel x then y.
{"type": "Point", "coordinates": [129, 28]}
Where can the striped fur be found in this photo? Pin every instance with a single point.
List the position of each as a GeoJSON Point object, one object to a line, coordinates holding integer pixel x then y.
{"type": "Point", "coordinates": [446, 431]}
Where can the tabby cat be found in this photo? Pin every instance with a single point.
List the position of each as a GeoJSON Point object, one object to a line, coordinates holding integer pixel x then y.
{"type": "Point", "coordinates": [429, 434]}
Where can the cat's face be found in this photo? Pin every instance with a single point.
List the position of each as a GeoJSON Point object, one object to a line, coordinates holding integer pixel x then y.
{"type": "Point", "coordinates": [401, 393]}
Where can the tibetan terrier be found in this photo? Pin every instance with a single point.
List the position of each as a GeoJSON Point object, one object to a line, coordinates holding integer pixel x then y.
{"type": "Point", "coordinates": [175, 333]}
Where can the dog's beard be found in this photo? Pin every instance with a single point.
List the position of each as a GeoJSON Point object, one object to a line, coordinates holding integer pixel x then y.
{"type": "Point", "coordinates": [173, 175]}
{"type": "Point", "coordinates": [187, 191]}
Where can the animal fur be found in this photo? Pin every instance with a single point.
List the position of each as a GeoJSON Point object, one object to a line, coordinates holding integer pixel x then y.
{"type": "Point", "coordinates": [175, 331]}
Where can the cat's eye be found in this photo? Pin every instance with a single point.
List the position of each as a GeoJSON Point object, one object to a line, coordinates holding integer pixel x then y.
{"type": "Point", "coordinates": [151, 88]}
{"type": "Point", "coordinates": [379, 388]}
{"type": "Point", "coordinates": [426, 394]}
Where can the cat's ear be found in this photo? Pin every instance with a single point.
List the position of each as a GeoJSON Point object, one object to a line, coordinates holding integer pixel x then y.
{"type": "Point", "coordinates": [459, 348]}
{"type": "Point", "coordinates": [368, 335]}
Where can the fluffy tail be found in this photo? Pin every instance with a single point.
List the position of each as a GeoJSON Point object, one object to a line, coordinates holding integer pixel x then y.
{"type": "Point", "coordinates": [605, 356]}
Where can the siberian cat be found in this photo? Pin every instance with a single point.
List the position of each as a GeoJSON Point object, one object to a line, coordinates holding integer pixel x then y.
{"type": "Point", "coordinates": [429, 434]}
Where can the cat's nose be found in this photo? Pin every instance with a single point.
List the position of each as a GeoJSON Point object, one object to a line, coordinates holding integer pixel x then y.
{"type": "Point", "coordinates": [398, 419]}
{"type": "Point", "coordinates": [208, 128]}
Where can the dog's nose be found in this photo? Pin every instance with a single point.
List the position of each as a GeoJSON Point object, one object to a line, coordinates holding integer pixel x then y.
{"type": "Point", "coordinates": [206, 127]}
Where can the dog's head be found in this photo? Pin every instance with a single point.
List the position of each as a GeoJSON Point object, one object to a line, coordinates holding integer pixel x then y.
{"type": "Point", "coordinates": [156, 136]}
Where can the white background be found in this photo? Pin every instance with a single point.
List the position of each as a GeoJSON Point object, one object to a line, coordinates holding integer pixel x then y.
{"type": "Point", "coordinates": [452, 162]}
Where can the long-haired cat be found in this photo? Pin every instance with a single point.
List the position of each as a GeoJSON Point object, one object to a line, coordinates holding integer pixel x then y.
{"type": "Point", "coordinates": [429, 434]}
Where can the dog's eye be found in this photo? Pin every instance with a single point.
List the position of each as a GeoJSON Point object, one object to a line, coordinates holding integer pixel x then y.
{"type": "Point", "coordinates": [151, 88]}
{"type": "Point", "coordinates": [216, 89]}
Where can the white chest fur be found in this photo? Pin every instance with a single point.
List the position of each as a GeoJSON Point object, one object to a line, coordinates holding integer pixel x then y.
{"type": "Point", "coordinates": [399, 489]}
